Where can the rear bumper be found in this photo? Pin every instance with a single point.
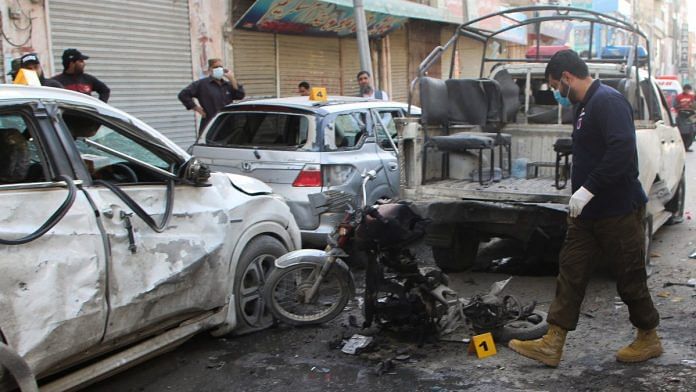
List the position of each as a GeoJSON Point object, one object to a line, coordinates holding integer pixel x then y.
{"type": "Point", "coordinates": [317, 237]}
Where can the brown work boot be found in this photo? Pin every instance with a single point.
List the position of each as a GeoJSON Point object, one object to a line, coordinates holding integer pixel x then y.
{"type": "Point", "coordinates": [547, 350]}
{"type": "Point", "coordinates": [647, 345]}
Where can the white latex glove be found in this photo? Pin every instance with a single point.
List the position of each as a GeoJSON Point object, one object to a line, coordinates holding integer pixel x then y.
{"type": "Point", "coordinates": [578, 201]}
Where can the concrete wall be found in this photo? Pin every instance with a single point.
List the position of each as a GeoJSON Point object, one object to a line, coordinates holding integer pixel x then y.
{"type": "Point", "coordinates": [208, 23]}
{"type": "Point", "coordinates": [32, 21]}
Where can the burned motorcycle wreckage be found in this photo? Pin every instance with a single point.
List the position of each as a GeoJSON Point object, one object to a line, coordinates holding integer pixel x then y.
{"type": "Point", "coordinates": [313, 286]}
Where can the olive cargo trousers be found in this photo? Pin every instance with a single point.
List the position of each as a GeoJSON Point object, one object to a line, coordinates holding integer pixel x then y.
{"type": "Point", "coordinates": [621, 240]}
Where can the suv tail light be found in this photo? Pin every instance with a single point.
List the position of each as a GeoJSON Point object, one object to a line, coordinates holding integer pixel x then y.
{"type": "Point", "coordinates": [309, 176]}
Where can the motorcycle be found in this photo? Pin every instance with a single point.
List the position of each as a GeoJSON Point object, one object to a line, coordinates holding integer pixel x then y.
{"type": "Point", "coordinates": [685, 122]}
{"type": "Point", "coordinates": [313, 286]}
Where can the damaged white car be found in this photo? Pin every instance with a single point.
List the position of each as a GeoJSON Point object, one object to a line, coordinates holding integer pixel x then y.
{"type": "Point", "coordinates": [113, 239]}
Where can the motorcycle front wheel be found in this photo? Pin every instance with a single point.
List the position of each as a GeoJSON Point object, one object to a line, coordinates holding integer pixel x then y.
{"type": "Point", "coordinates": [286, 289]}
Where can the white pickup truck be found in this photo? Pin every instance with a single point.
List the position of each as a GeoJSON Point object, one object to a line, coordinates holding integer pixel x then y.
{"type": "Point", "coordinates": [490, 157]}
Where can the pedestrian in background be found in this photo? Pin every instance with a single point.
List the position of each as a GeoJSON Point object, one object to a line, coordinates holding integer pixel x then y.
{"type": "Point", "coordinates": [14, 68]}
{"type": "Point", "coordinates": [607, 212]}
{"type": "Point", "coordinates": [303, 88]}
{"type": "Point", "coordinates": [213, 93]}
{"type": "Point", "coordinates": [74, 77]}
{"type": "Point", "coordinates": [366, 89]}
{"type": "Point", "coordinates": [31, 62]}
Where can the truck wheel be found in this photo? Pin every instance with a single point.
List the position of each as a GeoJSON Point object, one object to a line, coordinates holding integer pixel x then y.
{"type": "Point", "coordinates": [676, 205]}
{"type": "Point", "coordinates": [460, 254]}
{"type": "Point", "coordinates": [255, 264]}
{"type": "Point", "coordinates": [647, 230]}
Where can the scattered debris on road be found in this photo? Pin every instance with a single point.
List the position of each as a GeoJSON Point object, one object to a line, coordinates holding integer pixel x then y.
{"type": "Point", "coordinates": [356, 344]}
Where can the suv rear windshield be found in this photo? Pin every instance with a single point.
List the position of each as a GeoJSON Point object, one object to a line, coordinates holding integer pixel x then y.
{"type": "Point", "coordinates": [263, 130]}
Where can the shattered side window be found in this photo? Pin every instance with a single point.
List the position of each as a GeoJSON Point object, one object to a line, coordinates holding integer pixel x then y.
{"type": "Point", "coordinates": [95, 140]}
{"type": "Point", "coordinates": [20, 158]}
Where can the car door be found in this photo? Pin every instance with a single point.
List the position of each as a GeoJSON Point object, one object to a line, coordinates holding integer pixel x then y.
{"type": "Point", "coordinates": [156, 276]}
{"type": "Point", "coordinates": [385, 135]}
{"type": "Point", "coordinates": [349, 145]}
{"type": "Point", "coordinates": [53, 301]}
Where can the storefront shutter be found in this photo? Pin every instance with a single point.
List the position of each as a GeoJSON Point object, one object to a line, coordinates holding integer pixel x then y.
{"type": "Point", "coordinates": [398, 46]}
{"type": "Point", "coordinates": [141, 50]}
{"type": "Point", "coordinates": [255, 62]}
{"type": "Point", "coordinates": [350, 66]}
{"type": "Point", "coordinates": [314, 59]}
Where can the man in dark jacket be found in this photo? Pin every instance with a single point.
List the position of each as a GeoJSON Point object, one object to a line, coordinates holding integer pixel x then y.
{"type": "Point", "coordinates": [74, 76]}
{"type": "Point", "coordinates": [213, 93]}
{"type": "Point", "coordinates": [31, 62]}
{"type": "Point", "coordinates": [606, 216]}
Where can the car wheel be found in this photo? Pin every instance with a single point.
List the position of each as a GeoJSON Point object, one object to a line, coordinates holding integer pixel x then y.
{"type": "Point", "coordinates": [676, 205]}
{"type": "Point", "coordinates": [255, 264]}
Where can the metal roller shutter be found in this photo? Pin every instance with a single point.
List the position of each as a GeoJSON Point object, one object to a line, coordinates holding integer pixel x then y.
{"type": "Point", "coordinates": [350, 66]}
{"type": "Point", "coordinates": [255, 62]}
{"type": "Point", "coordinates": [398, 47]}
{"type": "Point", "coordinates": [314, 59]}
{"type": "Point", "coordinates": [141, 50]}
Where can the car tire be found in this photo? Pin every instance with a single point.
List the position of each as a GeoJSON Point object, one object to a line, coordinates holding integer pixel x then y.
{"type": "Point", "coordinates": [255, 264]}
{"type": "Point", "coordinates": [522, 329]}
{"type": "Point", "coordinates": [676, 205]}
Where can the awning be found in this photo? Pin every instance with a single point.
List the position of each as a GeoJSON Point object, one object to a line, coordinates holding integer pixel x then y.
{"type": "Point", "coordinates": [335, 17]}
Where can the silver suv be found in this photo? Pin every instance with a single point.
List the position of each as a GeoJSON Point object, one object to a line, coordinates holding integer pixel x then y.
{"type": "Point", "coordinates": [300, 147]}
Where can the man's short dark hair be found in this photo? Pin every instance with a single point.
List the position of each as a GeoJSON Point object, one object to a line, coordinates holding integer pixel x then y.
{"type": "Point", "coordinates": [304, 84]}
{"type": "Point", "coordinates": [687, 87]}
{"type": "Point", "coordinates": [566, 61]}
{"type": "Point", "coordinates": [361, 73]}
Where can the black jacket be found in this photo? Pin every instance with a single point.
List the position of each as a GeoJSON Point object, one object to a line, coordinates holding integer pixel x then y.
{"type": "Point", "coordinates": [605, 158]}
{"type": "Point", "coordinates": [211, 95]}
{"type": "Point", "coordinates": [84, 83]}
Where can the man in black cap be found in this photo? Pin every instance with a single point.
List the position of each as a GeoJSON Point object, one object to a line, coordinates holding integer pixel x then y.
{"type": "Point", "coordinates": [74, 76]}
{"type": "Point", "coordinates": [31, 62]}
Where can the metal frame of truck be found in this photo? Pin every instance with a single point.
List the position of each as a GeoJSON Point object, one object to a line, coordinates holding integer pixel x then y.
{"type": "Point", "coordinates": [464, 213]}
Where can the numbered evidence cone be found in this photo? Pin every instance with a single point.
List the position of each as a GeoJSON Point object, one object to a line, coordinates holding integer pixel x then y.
{"type": "Point", "coordinates": [547, 350]}
{"type": "Point", "coordinates": [27, 77]}
{"type": "Point", "coordinates": [482, 345]}
{"type": "Point", "coordinates": [318, 94]}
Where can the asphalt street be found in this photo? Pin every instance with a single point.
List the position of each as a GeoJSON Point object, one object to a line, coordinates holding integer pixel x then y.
{"type": "Point", "coordinates": [285, 359]}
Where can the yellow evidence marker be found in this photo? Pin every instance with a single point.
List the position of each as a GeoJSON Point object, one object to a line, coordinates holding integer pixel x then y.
{"type": "Point", "coordinates": [318, 94]}
{"type": "Point", "coordinates": [482, 345]}
{"type": "Point", "coordinates": [27, 77]}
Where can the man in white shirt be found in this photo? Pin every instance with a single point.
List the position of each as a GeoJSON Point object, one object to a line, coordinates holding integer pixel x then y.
{"type": "Point", "coordinates": [366, 90]}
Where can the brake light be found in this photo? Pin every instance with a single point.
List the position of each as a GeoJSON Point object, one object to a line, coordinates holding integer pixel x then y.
{"type": "Point", "coordinates": [309, 176]}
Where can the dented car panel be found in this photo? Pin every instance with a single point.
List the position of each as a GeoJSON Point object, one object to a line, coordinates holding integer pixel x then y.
{"type": "Point", "coordinates": [53, 298]}
{"type": "Point", "coordinates": [102, 278]}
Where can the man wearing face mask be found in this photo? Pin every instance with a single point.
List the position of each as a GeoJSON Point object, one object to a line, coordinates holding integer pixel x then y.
{"type": "Point", "coordinates": [213, 93]}
{"type": "Point", "coordinates": [74, 76]}
{"type": "Point", "coordinates": [606, 214]}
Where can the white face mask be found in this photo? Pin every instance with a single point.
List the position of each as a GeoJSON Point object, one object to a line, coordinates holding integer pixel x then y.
{"type": "Point", "coordinates": [218, 72]}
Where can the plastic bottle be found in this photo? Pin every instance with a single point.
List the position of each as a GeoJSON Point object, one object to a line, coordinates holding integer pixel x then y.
{"type": "Point", "coordinates": [519, 168]}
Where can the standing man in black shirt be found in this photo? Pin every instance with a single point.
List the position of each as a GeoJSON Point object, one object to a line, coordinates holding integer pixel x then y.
{"type": "Point", "coordinates": [606, 216]}
{"type": "Point", "coordinates": [213, 93]}
{"type": "Point", "coordinates": [74, 76]}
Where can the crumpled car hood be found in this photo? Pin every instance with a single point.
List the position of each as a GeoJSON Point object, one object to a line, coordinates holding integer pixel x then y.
{"type": "Point", "coordinates": [250, 186]}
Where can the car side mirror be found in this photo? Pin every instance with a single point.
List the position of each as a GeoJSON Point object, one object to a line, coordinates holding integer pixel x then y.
{"type": "Point", "coordinates": [197, 173]}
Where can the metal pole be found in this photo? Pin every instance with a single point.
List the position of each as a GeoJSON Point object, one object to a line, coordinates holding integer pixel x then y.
{"type": "Point", "coordinates": [363, 41]}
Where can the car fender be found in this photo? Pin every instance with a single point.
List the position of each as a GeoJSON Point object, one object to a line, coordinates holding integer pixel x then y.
{"type": "Point", "coordinates": [272, 228]}
{"type": "Point", "coordinates": [317, 257]}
